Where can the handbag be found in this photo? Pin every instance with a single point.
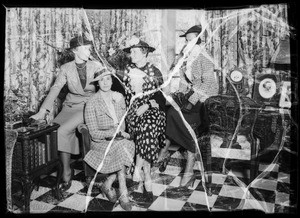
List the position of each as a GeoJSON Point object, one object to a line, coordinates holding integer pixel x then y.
{"type": "Point", "coordinates": [182, 101]}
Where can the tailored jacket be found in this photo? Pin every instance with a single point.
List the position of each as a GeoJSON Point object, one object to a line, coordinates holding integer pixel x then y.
{"type": "Point", "coordinates": [68, 74]}
{"type": "Point", "coordinates": [101, 126]}
{"type": "Point", "coordinates": [200, 71]}
{"type": "Point", "coordinates": [99, 120]}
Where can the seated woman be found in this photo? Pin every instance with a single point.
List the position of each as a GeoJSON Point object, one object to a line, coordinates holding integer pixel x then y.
{"type": "Point", "coordinates": [103, 113]}
{"type": "Point", "coordinates": [77, 75]}
{"type": "Point", "coordinates": [197, 83]}
{"type": "Point", "coordinates": [146, 117]}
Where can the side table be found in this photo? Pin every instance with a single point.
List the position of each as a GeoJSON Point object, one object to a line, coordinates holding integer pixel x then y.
{"type": "Point", "coordinates": [35, 154]}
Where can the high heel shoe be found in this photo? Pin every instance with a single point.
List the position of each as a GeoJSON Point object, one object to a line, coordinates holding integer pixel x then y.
{"type": "Point", "coordinates": [159, 163]}
{"type": "Point", "coordinates": [164, 164]}
{"type": "Point", "coordinates": [148, 196]}
{"type": "Point", "coordinates": [190, 182]}
{"type": "Point", "coordinates": [125, 203]}
{"type": "Point", "coordinates": [66, 185]}
{"type": "Point", "coordinates": [110, 193]}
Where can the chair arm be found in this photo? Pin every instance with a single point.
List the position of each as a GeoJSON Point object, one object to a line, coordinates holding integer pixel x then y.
{"type": "Point", "coordinates": [85, 138]}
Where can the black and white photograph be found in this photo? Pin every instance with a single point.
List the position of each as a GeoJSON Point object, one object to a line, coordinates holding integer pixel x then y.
{"type": "Point", "coordinates": [143, 109]}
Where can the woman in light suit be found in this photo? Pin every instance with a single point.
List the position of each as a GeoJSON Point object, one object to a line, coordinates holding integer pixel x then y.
{"type": "Point", "coordinates": [103, 114]}
{"type": "Point", "coordinates": [77, 74]}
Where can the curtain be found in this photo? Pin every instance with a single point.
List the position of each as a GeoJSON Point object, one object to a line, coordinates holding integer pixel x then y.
{"type": "Point", "coordinates": [35, 43]}
{"type": "Point", "coordinates": [245, 38]}
{"type": "Point", "coordinates": [32, 39]}
{"type": "Point", "coordinates": [36, 38]}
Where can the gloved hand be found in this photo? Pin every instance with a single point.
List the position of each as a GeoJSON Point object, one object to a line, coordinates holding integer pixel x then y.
{"type": "Point", "coordinates": [153, 103]}
{"type": "Point", "coordinates": [142, 109]}
{"type": "Point", "coordinates": [187, 107]}
{"type": "Point", "coordinates": [40, 115]}
{"type": "Point", "coordinates": [125, 135]}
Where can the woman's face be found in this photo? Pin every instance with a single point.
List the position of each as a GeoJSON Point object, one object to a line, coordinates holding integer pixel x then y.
{"type": "Point", "coordinates": [105, 83]}
{"type": "Point", "coordinates": [190, 36]}
{"type": "Point", "coordinates": [137, 55]}
{"type": "Point", "coordinates": [83, 52]}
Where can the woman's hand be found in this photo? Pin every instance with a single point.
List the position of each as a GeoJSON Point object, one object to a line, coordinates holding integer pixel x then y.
{"type": "Point", "coordinates": [153, 103]}
{"type": "Point", "coordinates": [116, 96]}
{"type": "Point", "coordinates": [125, 135]}
{"type": "Point", "coordinates": [142, 109]}
{"type": "Point", "coordinates": [40, 115]}
{"type": "Point", "coordinates": [187, 107]}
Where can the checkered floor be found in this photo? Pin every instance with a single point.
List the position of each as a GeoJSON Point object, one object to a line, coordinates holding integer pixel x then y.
{"type": "Point", "coordinates": [269, 194]}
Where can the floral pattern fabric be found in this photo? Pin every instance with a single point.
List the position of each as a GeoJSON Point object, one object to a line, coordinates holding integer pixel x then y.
{"type": "Point", "coordinates": [36, 38]}
{"type": "Point", "coordinates": [148, 129]}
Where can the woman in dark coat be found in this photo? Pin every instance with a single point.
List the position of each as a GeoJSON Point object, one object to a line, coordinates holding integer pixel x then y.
{"type": "Point", "coordinates": [197, 83]}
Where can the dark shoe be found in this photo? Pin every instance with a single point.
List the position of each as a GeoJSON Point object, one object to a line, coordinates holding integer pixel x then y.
{"type": "Point", "coordinates": [164, 164]}
{"type": "Point", "coordinates": [148, 196]}
{"type": "Point", "coordinates": [66, 185]}
{"type": "Point", "coordinates": [110, 193]}
{"type": "Point", "coordinates": [159, 163]}
{"type": "Point", "coordinates": [125, 202]}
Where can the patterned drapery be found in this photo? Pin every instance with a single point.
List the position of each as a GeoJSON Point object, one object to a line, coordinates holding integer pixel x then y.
{"type": "Point", "coordinates": [37, 37]}
{"type": "Point", "coordinates": [35, 43]}
{"type": "Point", "coordinates": [246, 38]}
{"type": "Point", "coordinates": [32, 36]}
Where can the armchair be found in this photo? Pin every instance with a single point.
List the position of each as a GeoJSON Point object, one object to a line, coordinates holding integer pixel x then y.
{"type": "Point", "coordinates": [85, 145]}
{"type": "Point", "coordinates": [231, 131]}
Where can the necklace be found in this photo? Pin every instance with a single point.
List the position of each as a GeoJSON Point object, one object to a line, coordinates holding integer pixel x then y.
{"type": "Point", "coordinates": [80, 68]}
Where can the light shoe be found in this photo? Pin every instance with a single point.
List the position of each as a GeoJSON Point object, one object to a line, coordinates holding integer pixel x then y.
{"type": "Point", "coordinates": [125, 202]}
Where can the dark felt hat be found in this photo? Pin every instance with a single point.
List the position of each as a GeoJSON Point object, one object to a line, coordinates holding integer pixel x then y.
{"type": "Point", "coordinates": [140, 44]}
{"type": "Point", "coordinates": [193, 29]}
{"type": "Point", "coordinates": [79, 41]}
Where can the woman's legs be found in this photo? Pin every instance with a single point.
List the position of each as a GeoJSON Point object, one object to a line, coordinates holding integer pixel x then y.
{"type": "Point", "coordinates": [66, 158]}
{"type": "Point", "coordinates": [164, 151]}
{"type": "Point", "coordinates": [107, 188]}
{"type": "Point", "coordinates": [138, 168]}
{"type": "Point", "coordinates": [188, 175]}
{"type": "Point", "coordinates": [122, 182]}
{"type": "Point", "coordinates": [68, 119]}
{"type": "Point", "coordinates": [124, 200]}
{"type": "Point", "coordinates": [110, 180]}
{"type": "Point", "coordinates": [148, 181]}
{"type": "Point", "coordinates": [148, 194]}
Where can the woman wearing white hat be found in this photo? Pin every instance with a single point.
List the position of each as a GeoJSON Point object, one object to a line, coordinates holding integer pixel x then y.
{"type": "Point", "coordinates": [103, 114]}
{"type": "Point", "coordinates": [146, 117]}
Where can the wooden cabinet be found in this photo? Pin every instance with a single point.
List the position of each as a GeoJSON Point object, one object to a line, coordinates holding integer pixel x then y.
{"type": "Point", "coordinates": [35, 154]}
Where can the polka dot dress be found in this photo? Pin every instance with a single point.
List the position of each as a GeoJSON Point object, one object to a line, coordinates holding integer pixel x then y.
{"type": "Point", "coordinates": [149, 128]}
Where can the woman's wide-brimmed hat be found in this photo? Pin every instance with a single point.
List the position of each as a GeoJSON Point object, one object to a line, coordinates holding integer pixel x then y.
{"type": "Point", "coordinates": [137, 43]}
{"type": "Point", "coordinates": [79, 41]}
{"type": "Point", "coordinates": [193, 29]}
{"type": "Point", "coordinates": [98, 75]}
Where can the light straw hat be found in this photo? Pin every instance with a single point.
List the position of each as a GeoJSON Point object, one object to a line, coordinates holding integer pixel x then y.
{"type": "Point", "coordinates": [98, 75]}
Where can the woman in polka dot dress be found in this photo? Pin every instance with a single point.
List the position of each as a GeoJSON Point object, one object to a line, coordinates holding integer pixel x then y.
{"type": "Point", "coordinates": [146, 119]}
